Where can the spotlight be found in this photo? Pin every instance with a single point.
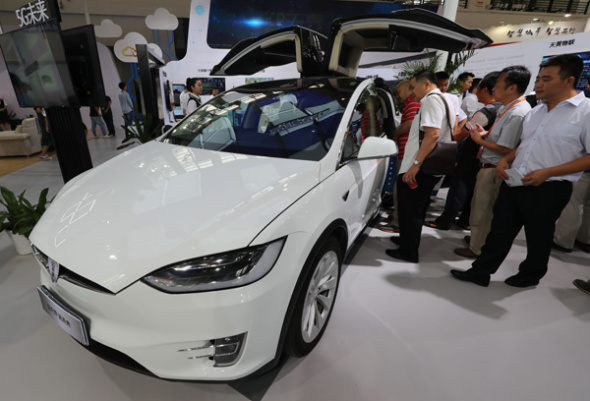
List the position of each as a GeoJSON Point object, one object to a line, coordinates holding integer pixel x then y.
{"type": "Point", "coordinates": [567, 15]}
{"type": "Point", "coordinates": [536, 19]}
{"type": "Point", "coordinates": [550, 22]}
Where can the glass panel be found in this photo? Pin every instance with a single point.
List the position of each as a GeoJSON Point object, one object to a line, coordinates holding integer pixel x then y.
{"type": "Point", "coordinates": [367, 120]}
{"type": "Point", "coordinates": [278, 119]}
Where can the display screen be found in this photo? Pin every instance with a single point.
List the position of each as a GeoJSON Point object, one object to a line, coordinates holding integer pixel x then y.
{"type": "Point", "coordinates": [37, 66]}
{"type": "Point", "coordinates": [585, 56]}
{"type": "Point", "coordinates": [177, 90]}
{"type": "Point", "coordinates": [233, 20]}
{"type": "Point", "coordinates": [212, 86]}
{"type": "Point", "coordinates": [82, 56]}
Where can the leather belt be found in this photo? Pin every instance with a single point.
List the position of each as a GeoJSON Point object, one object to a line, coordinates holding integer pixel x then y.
{"type": "Point", "coordinates": [487, 165]}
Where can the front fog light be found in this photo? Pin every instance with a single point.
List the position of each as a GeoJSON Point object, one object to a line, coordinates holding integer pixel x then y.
{"type": "Point", "coordinates": [221, 271]}
{"type": "Point", "coordinates": [225, 351]}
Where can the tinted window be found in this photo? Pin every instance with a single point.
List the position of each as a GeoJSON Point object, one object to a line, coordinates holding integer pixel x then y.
{"type": "Point", "coordinates": [270, 119]}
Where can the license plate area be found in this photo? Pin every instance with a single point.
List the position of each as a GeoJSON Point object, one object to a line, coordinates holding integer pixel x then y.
{"type": "Point", "coordinates": [69, 321]}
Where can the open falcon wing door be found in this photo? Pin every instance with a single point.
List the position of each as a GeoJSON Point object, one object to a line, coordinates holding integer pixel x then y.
{"type": "Point", "coordinates": [273, 49]}
{"type": "Point", "coordinates": [401, 31]}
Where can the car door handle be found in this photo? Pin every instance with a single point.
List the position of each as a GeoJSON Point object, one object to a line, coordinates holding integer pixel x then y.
{"type": "Point", "coordinates": [345, 196]}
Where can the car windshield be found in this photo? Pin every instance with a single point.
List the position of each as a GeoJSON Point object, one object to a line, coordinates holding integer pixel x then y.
{"type": "Point", "coordinates": [295, 119]}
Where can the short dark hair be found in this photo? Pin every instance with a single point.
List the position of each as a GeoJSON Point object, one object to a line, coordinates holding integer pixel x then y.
{"type": "Point", "coordinates": [188, 83]}
{"type": "Point", "coordinates": [475, 84]}
{"type": "Point", "coordinates": [517, 75]}
{"type": "Point", "coordinates": [442, 75]}
{"type": "Point", "coordinates": [425, 74]}
{"type": "Point", "coordinates": [122, 85]}
{"type": "Point", "coordinates": [570, 65]}
{"type": "Point", "coordinates": [489, 81]}
{"type": "Point", "coordinates": [464, 75]}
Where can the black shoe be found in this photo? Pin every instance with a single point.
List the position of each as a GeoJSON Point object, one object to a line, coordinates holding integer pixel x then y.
{"type": "Point", "coordinates": [582, 247]}
{"type": "Point", "coordinates": [469, 275]}
{"type": "Point", "coordinates": [582, 285]}
{"type": "Point", "coordinates": [560, 248]}
{"type": "Point", "coordinates": [521, 282]}
{"type": "Point", "coordinates": [395, 240]}
{"type": "Point", "coordinates": [396, 254]}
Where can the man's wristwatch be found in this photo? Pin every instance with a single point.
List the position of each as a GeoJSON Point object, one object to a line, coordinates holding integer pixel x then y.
{"type": "Point", "coordinates": [417, 162]}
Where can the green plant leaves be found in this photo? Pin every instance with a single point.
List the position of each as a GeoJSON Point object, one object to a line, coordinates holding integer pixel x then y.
{"type": "Point", "coordinates": [142, 132]}
{"type": "Point", "coordinates": [21, 215]}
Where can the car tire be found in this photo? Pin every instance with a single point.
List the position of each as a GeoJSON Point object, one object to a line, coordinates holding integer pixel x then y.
{"type": "Point", "coordinates": [315, 301]}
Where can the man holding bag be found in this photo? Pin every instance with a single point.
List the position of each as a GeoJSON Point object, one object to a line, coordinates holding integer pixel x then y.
{"type": "Point", "coordinates": [436, 120]}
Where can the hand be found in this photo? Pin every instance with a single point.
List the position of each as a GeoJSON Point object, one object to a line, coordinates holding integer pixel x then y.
{"type": "Point", "coordinates": [410, 176]}
{"type": "Point", "coordinates": [535, 178]}
{"type": "Point", "coordinates": [477, 134]}
{"type": "Point", "coordinates": [500, 169]}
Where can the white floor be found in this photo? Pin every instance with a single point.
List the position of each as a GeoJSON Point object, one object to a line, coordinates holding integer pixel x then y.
{"type": "Point", "coordinates": [399, 331]}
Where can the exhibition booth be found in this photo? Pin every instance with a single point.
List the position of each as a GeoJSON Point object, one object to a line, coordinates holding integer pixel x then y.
{"type": "Point", "coordinates": [205, 264]}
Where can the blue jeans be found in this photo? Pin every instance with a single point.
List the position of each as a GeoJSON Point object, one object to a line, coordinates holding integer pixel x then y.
{"type": "Point", "coordinates": [128, 121]}
{"type": "Point", "coordinates": [98, 121]}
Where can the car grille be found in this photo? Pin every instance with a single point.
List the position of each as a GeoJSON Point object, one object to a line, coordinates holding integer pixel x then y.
{"type": "Point", "coordinates": [68, 275]}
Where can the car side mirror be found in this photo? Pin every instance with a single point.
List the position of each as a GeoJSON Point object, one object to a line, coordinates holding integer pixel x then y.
{"type": "Point", "coordinates": [376, 148]}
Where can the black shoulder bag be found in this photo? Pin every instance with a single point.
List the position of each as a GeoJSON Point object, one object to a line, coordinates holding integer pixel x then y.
{"type": "Point", "coordinates": [443, 158]}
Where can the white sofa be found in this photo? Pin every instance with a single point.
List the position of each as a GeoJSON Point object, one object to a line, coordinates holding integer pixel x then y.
{"type": "Point", "coordinates": [24, 141]}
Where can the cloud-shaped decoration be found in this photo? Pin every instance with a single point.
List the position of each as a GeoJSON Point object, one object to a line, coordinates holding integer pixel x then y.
{"type": "Point", "coordinates": [162, 20]}
{"type": "Point", "coordinates": [156, 49]}
{"type": "Point", "coordinates": [125, 49]}
{"type": "Point", "coordinates": [108, 29]}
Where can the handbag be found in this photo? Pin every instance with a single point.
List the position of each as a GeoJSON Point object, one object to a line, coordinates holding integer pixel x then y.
{"type": "Point", "coordinates": [443, 158]}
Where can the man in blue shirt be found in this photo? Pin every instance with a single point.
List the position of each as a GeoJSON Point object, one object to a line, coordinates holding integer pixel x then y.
{"type": "Point", "coordinates": [126, 106]}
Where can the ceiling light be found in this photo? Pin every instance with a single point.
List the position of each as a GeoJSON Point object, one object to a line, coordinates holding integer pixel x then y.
{"type": "Point", "coordinates": [567, 15]}
{"type": "Point", "coordinates": [550, 22]}
{"type": "Point", "coordinates": [536, 19]}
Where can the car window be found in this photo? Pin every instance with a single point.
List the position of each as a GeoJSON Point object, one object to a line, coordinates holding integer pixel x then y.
{"type": "Point", "coordinates": [298, 124]}
{"type": "Point", "coordinates": [366, 120]}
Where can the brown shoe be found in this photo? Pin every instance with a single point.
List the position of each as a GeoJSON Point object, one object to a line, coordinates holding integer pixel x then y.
{"type": "Point", "coordinates": [466, 253]}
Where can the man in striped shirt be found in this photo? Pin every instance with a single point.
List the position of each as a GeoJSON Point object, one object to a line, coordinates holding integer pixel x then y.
{"type": "Point", "coordinates": [404, 94]}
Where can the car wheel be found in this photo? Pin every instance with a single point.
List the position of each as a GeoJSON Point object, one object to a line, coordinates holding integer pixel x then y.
{"type": "Point", "coordinates": [315, 301]}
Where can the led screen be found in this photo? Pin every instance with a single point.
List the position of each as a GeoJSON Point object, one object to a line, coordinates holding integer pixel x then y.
{"type": "Point", "coordinates": [233, 20]}
{"type": "Point", "coordinates": [38, 67]}
{"type": "Point", "coordinates": [82, 56]}
{"type": "Point", "coordinates": [212, 86]}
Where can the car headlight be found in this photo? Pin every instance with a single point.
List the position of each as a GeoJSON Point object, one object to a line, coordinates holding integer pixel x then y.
{"type": "Point", "coordinates": [221, 271]}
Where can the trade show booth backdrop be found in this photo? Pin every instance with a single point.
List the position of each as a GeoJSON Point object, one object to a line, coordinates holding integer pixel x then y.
{"type": "Point", "coordinates": [213, 31]}
{"type": "Point", "coordinates": [530, 54]}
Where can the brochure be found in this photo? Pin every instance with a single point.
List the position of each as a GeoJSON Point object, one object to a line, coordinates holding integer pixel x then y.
{"type": "Point", "coordinates": [514, 177]}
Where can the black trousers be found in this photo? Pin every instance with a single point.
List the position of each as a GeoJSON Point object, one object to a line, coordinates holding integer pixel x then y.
{"type": "Point", "coordinates": [413, 204]}
{"type": "Point", "coordinates": [460, 194]}
{"type": "Point", "coordinates": [535, 208]}
{"type": "Point", "coordinates": [108, 119]}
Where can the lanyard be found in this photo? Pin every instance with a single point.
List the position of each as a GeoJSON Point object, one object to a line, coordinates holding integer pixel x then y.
{"type": "Point", "coordinates": [501, 114]}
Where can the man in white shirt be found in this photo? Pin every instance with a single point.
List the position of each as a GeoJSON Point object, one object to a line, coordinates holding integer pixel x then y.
{"type": "Point", "coordinates": [470, 104]}
{"type": "Point", "coordinates": [552, 154]}
{"type": "Point", "coordinates": [414, 186]}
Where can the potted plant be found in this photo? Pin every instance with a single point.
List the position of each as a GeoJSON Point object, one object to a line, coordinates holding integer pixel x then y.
{"type": "Point", "coordinates": [20, 217]}
{"type": "Point", "coordinates": [142, 132]}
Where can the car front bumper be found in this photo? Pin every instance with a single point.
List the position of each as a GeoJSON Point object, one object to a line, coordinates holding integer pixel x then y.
{"type": "Point", "coordinates": [171, 335]}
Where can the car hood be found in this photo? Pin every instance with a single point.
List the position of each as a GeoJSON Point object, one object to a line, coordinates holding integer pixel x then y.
{"type": "Point", "coordinates": [159, 204]}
